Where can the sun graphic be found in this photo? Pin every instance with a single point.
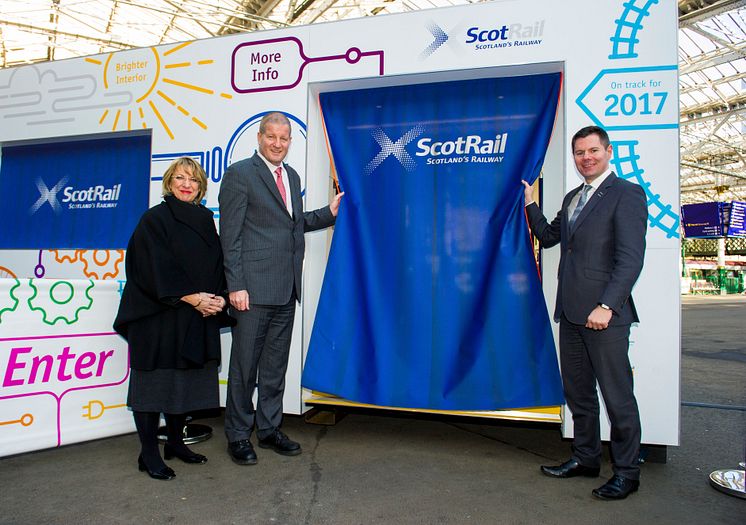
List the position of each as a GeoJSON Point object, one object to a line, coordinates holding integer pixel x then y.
{"type": "Point", "coordinates": [148, 75]}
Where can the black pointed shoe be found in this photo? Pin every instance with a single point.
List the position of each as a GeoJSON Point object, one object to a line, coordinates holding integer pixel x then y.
{"type": "Point", "coordinates": [164, 473]}
{"type": "Point", "coordinates": [185, 455]}
{"type": "Point", "coordinates": [242, 452]}
{"type": "Point", "coordinates": [618, 487]}
{"type": "Point", "coordinates": [280, 443]}
{"type": "Point", "coordinates": [569, 469]}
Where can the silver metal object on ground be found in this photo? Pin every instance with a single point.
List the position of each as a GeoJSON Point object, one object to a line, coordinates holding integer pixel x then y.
{"type": "Point", "coordinates": [729, 481]}
{"type": "Point", "coordinates": [193, 433]}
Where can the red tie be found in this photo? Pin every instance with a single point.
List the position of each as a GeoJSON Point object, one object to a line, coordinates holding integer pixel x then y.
{"type": "Point", "coordinates": [281, 186]}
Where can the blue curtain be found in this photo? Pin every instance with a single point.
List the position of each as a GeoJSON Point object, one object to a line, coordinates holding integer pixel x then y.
{"type": "Point", "coordinates": [431, 297]}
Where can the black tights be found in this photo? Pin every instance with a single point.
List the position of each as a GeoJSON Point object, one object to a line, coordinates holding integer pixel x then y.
{"type": "Point", "coordinates": [175, 427]}
{"type": "Point", "coordinates": [147, 430]}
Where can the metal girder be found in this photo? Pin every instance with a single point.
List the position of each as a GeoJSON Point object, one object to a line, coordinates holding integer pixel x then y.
{"type": "Point", "coordinates": [188, 15]}
{"type": "Point", "coordinates": [713, 170]}
{"type": "Point", "coordinates": [48, 31]}
{"type": "Point", "coordinates": [713, 83]}
{"type": "Point", "coordinates": [688, 121]}
{"type": "Point", "coordinates": [734, 103]}
{"type": "Point", "coordinates": [715, 58]}
{"type": "Point", "coordinates": [710, 187]}
{"type": "Point", "coordinates": [249, 15]}
{"type": "Point", "coordinates": [691, 12]}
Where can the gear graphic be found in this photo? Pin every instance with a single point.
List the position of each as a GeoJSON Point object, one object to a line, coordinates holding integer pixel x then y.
{"type": "Point", "coordinates": [63, 302]}
{"type": "Point", "coordinates": [101, 264]}
{"type": "Point", "coordinates": [97, 264]}
{"type": "Point", "coordinates": [64, 255]}
{"type": "Point", "coordinates": [7, 273]}
{"type": "Point", "coordinates": [8, 301]}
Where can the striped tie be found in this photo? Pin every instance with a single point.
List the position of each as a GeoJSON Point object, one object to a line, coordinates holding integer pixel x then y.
{"type": "Point", "coordinates": [581, 203]}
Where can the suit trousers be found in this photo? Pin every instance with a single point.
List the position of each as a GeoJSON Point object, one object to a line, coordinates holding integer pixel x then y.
{"type": "Point", "coordinates": [587, 356]}
{"type": "Point", "coordinates": [259, 357]}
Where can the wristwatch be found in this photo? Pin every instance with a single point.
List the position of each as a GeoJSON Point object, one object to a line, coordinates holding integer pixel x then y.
{"type": "Point", "coordinates": [604, 306]}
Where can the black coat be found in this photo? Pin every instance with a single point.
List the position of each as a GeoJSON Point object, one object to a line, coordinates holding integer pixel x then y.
{"type": "Point", "coordinates": [174, 251]}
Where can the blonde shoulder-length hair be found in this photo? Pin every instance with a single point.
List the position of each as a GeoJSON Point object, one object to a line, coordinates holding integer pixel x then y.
{"type": "Point", "coordinates": [193, 168]}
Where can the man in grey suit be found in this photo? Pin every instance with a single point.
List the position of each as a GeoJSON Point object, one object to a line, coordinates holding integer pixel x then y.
{"type": "Point", "coordinates": [262, 223]}
{"type": "Point", "coordinates": [601, 231]}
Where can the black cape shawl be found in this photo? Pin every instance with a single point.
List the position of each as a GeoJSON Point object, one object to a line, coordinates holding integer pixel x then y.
{"type": "Point", "coordinates": [174, 251]}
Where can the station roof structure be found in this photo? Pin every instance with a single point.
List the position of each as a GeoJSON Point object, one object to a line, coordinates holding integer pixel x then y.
{"type": "Point", "coordinates": [712, 57]}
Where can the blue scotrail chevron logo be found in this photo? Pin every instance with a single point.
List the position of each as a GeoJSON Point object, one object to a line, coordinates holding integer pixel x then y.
{"type": "Point", "coordinates": [48, 195]}
{"type": "Point", "coordinates": [389, 148]}
{"type": "Point", "coordinates": [439, 38]}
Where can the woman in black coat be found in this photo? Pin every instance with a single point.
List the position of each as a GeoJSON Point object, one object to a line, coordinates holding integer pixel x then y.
{"type": "Point", "coordinates": [170, 314]}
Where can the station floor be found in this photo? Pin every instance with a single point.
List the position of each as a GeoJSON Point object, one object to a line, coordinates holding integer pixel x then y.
{"type": "Point", "coordinates": [376, 467]}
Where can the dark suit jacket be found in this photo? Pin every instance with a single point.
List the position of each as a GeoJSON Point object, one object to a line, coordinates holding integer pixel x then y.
{"type": "Point", "coordinates": [602, 256]}
{"type": "Point", "coordinates": [263, 246]}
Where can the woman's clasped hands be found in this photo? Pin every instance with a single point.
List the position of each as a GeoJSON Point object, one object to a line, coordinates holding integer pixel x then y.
{"type": "Point", "coordinates": [206, 303]}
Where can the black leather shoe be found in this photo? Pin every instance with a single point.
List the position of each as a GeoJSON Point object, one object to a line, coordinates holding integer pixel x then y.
{"type": "Point", "coordinates": [242, 452]}
{"type": "Point", "coordinates": [617, 487]}
{"type": "Point", "coordinates": [185, 455]}
{"type": "Point", "coordinates": [280, 443]}
{"type": "Point", "coordinates": [570, 469]}
{"type": "Point", "coordinates": [164, 473]}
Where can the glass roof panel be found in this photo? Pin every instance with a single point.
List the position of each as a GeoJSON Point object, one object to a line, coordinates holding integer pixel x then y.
{"type": "Point", "coordinates": [712, 55]}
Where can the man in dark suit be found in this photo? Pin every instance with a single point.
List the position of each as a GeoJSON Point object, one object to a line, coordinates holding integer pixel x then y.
{"type": "Point", "coordinates": [262, 223]}
{"type": "Point", "coordinates": [601, 231]}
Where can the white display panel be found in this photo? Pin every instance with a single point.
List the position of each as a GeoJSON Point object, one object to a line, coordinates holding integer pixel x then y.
{"type": "Point", "coordinates": [205, 98]}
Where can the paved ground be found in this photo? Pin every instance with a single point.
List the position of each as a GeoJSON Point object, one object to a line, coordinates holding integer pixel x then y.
{"type": "Point", "coordinates": [381, 468]}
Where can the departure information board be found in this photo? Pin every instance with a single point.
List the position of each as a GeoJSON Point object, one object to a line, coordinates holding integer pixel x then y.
{"type": "Point", "coordinates": [702, 220]}
{"type": "Point", "coordinates": [736, 227]}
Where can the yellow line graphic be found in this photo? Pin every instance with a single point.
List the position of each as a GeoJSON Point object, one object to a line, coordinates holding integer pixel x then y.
{"type": "Point", "coordinates": [160, 118]}
{"type": "Point", "coordinates": [26, 420]}
{"type": "Point", "coordinates": [166, 97]}
{"type": "Point", "coordinates": [157, 74]}
{"type": "Point", "coordinates": [91, 414]}
{"type": "Point", "coordinates": [106, 67]}
{"type": "Point", "coordinates": [180, 64]}
{"type": "Point", "coordinates": [188, 86]}
{"type": "Point", "coordinates": [116, 120]}
{"type": "Point", "coordinates": [177, 48]}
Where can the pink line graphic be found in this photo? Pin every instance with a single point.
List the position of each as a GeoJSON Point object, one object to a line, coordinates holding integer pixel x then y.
{"type": "Point", "coordinates": [278, 63]}
{"type": "Point", "coordinates": [56, 396]}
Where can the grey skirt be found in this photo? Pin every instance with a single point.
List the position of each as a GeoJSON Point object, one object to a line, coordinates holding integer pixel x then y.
{"type": "Point", "coordinates": [174, 391]}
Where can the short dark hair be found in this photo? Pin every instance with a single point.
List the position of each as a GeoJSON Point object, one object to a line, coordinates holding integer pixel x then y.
{"type": "Point", "coordinates": [603, 137]}
{"type": "Point", "coordinates": [275, 117]}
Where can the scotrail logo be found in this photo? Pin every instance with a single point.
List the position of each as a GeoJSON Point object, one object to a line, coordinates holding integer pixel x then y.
{"type": "Point", "coordinates": [87, 198]}
{"type": "Point", "coordinates": [464, 149]}
{"type": "Point", "coordinates": [484, 36]}
{"type": "Point", "coordinates": [389, 147]}
{"type": "Point", "coordinates": [47, 195]}
{"type": "Point", "coordinates": [440, 37]}
{"type": "Point", "coordinates": [506, 35]}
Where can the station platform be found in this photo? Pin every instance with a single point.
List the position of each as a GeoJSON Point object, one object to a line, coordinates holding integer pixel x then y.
{"type": "Point", "coordinates": [379, 467]}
